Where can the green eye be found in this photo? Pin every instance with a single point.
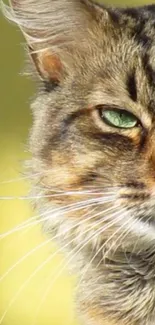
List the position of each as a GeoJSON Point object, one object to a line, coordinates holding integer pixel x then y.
{"type": "Point", "coordinates": [119, 118]}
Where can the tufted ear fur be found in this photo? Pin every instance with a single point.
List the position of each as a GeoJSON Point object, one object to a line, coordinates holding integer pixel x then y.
{"type": "Point", "coordinates": [53, 29]}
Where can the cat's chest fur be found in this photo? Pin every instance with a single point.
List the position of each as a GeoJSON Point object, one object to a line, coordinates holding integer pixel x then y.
{"type": "Point", "coordinates": [118, 289]}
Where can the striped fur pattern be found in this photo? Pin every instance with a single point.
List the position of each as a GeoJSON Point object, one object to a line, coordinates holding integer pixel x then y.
{"type": "Point", "coordinates": [91, 57]}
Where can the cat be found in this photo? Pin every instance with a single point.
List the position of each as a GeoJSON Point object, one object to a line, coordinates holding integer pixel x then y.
{"type": "Point", "coordinates": [93, 148]}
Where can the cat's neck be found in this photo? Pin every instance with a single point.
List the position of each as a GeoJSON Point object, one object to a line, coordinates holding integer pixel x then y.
{"type": "Point", "coordinates": [122, 287]}
{"type": "Point", "coordinates": [121, 282]}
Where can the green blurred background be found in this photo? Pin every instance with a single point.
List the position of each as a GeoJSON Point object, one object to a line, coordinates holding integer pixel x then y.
{"type": "Point", "coordinates": [24, 296]}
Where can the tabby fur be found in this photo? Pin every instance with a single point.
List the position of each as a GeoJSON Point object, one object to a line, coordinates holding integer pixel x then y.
{"type": "Point", "coordinates": [87, 55]}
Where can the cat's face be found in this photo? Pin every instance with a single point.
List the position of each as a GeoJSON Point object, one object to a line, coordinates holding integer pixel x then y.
{"type": "Point", "coordinates": [93, 147]}
{"type": "Point", "coordinates": [93, 138]}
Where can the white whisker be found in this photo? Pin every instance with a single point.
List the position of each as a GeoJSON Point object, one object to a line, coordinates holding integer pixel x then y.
{"type": "Point", "coordinates": [69, 193]}
{"type": "Point", "coordinates": [70, 254]}
{"type": "Point", "coordinates": [115, 221]}
{"type": "Point", "coordinates": [18, 179]}
{"type": "Point", "coordinates": [101, 248]}
{"type": "Point", "coordinates": [45, 243]}
{"type": "Point", "coordinates": [28, 223]}
{"type": "Point", "coordinates": [33, 274]}
{"type": "Point", "coordinates": [34, 250]}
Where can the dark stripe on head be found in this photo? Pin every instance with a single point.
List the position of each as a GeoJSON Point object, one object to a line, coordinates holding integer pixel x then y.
{"type": "Point", "coordinates": [131, 12]}
{"type": "Point", "coordinates": [131, 86]}
{"type": "Point", "coordinates": [150, 73]}
{"type": "Point", "coordinates": [115, 15]}
{"type": "Point", "coordinates": [140, 35]}
{"type": "Point", "coordinates": [140, 12]}
{"type": "Point", "coordinates": [142, 38]}
{"type": "Point", "coordinates": [150, 8]}
{"type": "Point", "coordinates": [140, 19]}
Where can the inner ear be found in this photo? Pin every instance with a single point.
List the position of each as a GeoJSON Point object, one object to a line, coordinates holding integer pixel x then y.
{"type": "Point", "coordinates": [48, 65]}
{"type": "Point", "coordinates": [58, 32]}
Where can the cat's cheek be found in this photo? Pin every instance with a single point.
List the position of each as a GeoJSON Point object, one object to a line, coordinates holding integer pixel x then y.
{"type": "Point", "coordinates": [69, 169]}
{"type": "Point", "coordinates": [61, 176]}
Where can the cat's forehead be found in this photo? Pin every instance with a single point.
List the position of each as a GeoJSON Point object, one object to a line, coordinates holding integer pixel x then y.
{"type": "Point", "coordinates": [129, 62]}
{"type": "Point", "coordinates": [129, 39]}
{"type": "Point", "coordinates": [137, 24]}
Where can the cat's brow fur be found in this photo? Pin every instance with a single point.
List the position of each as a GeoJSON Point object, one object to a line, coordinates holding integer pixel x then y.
{"type": "Point", "coordinates": [89, 55]}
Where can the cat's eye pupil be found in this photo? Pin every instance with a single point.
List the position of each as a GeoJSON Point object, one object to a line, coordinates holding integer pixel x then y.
{"type": "Point", "coordinates": [118, 118]}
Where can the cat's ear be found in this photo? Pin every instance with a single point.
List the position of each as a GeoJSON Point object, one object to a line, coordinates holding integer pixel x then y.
{"type": "Point", "coordinates": [53, 29]}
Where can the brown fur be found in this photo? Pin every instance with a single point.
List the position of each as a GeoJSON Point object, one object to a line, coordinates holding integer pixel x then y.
{"type": "Point", "coordinates": [97, 56]}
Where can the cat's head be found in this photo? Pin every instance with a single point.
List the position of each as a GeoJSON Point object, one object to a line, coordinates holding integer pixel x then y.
{"type": "Point", "coordinates": [93, 138]}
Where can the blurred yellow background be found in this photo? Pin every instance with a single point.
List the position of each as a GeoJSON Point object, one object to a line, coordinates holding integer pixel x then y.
{"type": "Point", "coordinates": [29, 294]}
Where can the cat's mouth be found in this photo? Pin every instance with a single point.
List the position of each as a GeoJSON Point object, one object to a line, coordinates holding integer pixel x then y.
{"type": "Point", "coordinates": [141, 212]}
{"type": "Point", "coordinates": [143, 225]}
